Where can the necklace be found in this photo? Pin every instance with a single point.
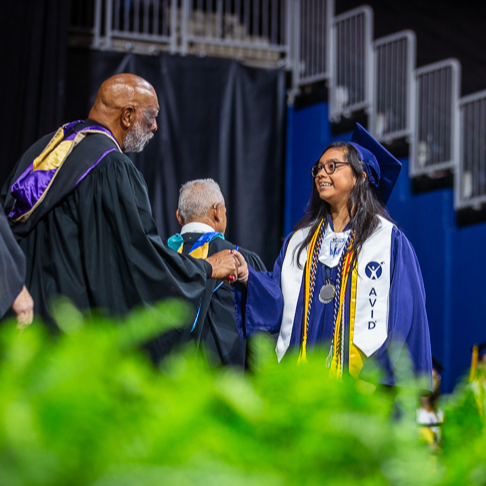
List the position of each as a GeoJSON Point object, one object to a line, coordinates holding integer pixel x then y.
{"type": "Point", "coordinates": [328, 291]}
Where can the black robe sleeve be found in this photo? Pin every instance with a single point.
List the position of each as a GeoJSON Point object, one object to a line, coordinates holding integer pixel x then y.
{"type": "Point", "coordinates": [12, 266]}
{"type": "Point", "coordinates": [215, 330]}
{"type": "Point", "coordinates": [125, 262]}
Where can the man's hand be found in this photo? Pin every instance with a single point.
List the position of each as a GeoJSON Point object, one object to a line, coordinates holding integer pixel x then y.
{"type": "Point", "coordinates": [242, 269]}
{"type": "Point", "coordinates": [23, 306]}
{"type": "Point", "coordinates": [225, 266]}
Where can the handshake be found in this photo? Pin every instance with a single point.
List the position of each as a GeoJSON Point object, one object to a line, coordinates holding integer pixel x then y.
{"type": "Point", "coordinates": [229, 266]}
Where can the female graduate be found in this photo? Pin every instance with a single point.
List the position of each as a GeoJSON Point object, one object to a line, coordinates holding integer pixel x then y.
{"type": "Point", "coordinates": [347, 279]}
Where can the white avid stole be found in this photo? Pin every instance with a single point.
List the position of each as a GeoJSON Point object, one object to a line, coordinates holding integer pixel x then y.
{"type": "Point", "coordinates": [373, 290]}
{"type": "Point", "coordinates": [290, 281]}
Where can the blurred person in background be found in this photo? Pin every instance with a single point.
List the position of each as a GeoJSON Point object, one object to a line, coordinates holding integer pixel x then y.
{"type": "Point", "coordinates": [201, 213]}
{"type": "Point", "coordinates": [430, 416]}
{"type": "Point", "coordinates": [477, 376]}
{"type": "Point", "coordinates": [347, 281]}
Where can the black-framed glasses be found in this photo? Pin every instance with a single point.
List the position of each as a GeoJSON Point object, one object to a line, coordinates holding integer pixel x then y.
{"type": "Point", "coordinates": [329, 168]}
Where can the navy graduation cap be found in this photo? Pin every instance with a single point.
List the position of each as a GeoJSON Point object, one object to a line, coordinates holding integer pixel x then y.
{"type": "Point", "coordinates": [381, 167]}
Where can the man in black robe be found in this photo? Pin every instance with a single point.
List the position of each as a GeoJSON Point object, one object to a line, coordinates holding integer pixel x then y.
{"type": "Point", "coordinates": [202, 214]}
{"type": "Point", "coordinates": [13, 293]}
{"type": "Point", "coordinates": [80, 210]}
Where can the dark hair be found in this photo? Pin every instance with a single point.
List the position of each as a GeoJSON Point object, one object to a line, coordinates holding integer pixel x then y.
{"type": "Point", "coordinates": [363, 206]}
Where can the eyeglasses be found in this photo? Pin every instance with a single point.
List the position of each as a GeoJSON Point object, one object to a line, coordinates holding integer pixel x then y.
{"type": "Point", "coordinates": [329, 168]}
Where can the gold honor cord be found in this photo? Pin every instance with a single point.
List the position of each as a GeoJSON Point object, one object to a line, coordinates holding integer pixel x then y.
{"type": "Point", "coordinates": [336, 365]}
{"type": "Point", "coordinates": [309, 281]}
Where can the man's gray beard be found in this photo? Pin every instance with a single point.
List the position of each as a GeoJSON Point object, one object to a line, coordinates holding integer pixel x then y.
{"type": "Point", "coordinates": [136, 139]}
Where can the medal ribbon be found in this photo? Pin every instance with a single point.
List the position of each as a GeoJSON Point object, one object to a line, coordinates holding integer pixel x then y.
{"type": "Point", "coordinates": [334, 359]}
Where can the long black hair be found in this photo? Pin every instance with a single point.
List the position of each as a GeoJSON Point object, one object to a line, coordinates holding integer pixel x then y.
{"type": "Point", "coordinates": [363, 206]}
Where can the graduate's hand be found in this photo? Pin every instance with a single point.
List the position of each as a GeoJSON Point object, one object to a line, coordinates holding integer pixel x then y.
{"type": "Point", "coordinates": [242, 269]}
{"type": "Point", "coordinates": [23, 306]}
{"type": "Point", "coordinates": [225, 266]}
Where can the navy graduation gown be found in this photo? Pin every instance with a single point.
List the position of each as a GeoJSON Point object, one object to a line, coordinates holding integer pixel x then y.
{"type": "Point", "coordinates": [260, 307]}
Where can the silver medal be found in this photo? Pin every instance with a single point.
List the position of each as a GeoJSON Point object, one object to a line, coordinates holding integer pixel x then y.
{"type": "Point", "coordinates": [327, 293]}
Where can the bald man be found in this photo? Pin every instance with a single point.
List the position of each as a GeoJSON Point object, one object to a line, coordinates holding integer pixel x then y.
{"type": "Point", "coordinates": [80, 210]}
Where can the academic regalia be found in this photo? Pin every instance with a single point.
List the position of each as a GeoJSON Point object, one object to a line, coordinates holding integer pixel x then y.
{"type": "Point", "coordinates": [430, 416]}
{"type": "Point", "coordinates": [82, 216]}
{"type": "Point", "coordinates": [12, 266]}
{"type": "Point", "coordinates": [215, 331]}
{"type": "Point", "coordinates": [351, 328]}
{"type": "Point", "coordinates": [407, 321]}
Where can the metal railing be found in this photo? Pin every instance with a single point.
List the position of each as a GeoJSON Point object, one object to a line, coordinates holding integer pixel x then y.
{"type": "Point", "coordinates": [422, 106]}
{"type": "Point", "coordinates": [250, 24]}
{"type": "Point", "coordinates": [149, 21]}
{"type": "Point", "coordinates": [351, 84]}
{"type": "Point", "coordinates": [189, 26]}
{"type": "Point", "coordinates": [470, 181]}
{"type": "Point", "coordinates": [391, 116]}
{"type": "Point", "coordinates": [313, 36]}
{"type": "Point", "coordinates": [436, 134]}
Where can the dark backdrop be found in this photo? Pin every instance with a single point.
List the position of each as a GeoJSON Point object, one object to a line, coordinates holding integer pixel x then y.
{"type": "Point", "coordinates": [217, 119]}
{"type": "Point", "coordinates": [33, 40]}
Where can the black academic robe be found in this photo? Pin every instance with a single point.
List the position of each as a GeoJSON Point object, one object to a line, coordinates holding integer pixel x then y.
{"type": "Point", "coordinates": [96, 242]}
{"type": "Point", "coordinates": [12, 266]}
{"type": "Point", "coordinates": [216, 333]}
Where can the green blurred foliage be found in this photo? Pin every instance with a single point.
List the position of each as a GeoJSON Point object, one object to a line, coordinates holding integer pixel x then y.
{"type": "Point", "coordinates": [88, 407]}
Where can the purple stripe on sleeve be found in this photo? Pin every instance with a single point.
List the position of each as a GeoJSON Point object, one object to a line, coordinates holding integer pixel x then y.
{"type": "Point", "coordinates": [95, 164]}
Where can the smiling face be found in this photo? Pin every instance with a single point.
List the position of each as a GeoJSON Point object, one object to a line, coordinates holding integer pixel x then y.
{"type": "Point", "coordinates": [335, 188]}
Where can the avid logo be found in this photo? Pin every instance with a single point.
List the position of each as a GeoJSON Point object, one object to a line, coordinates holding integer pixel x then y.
{"type": "Point", "coordinates": [374, 270]}
{"type": "Point", "coordinates": [337, 246]}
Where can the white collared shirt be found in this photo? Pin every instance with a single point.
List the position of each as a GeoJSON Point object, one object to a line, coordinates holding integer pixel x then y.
{"type": "Point", "coordinates": [197, 227]}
